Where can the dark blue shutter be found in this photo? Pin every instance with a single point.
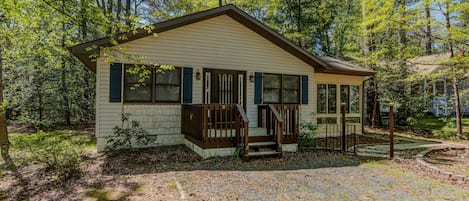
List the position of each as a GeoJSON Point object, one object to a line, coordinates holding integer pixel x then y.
{"type": "Point", "coordinates": [115, 82]}
{"type": "Point", "coordinates": [258, 88]}
{"type": "Point", "coordinates": [187, 85]}
{"type": "Point", "coordinates": [304, 89]}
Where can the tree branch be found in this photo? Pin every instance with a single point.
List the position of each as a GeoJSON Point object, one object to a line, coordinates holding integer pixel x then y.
{"type": "Point", "coordinates": [61, 12]}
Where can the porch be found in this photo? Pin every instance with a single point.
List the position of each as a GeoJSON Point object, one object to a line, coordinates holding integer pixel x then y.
{"type": "Point", "coordinates": [210, 126]}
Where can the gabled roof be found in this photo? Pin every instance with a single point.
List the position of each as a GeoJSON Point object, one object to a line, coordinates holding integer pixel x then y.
{"type": "Point", "coordinates": [80, 51]}
{"type": "Point", "coordinates": [429, 63]}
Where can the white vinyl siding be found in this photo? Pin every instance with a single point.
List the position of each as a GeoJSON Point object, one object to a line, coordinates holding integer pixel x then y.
{"type": "Point", "coordinates": [217, 43]}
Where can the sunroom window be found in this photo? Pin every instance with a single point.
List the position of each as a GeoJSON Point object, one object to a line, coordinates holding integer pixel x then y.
{"type": "Point", "coordinates": [327, 98]}
{"type": "Point", "coordinates": [350, 95]}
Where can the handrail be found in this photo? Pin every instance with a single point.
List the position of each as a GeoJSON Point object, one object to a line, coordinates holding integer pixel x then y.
{"type": "Point", "coordinates": [242, 139]}
{"type": "Point", "coordinates": [278, 132]}
{"type": "Point", "coordinates": [275, 113]}
{"type": "Point", "coordinates": [242, 113]}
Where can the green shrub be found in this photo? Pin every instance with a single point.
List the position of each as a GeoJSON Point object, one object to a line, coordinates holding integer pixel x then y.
{"type": "Point", "coordinates": [60, 152]}
{"type": "Point", "coordinates": [127, 134]}
{"type": "Point", "coordinates": [307, 135]}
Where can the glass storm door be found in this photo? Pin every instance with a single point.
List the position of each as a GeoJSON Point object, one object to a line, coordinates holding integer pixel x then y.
{"type": "Point", "coordinates": [223, 87]}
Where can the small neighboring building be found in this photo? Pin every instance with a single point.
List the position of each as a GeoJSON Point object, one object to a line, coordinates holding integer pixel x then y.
{"type": "Point", "coordinates": [237, 83]}
{"type": "Point", "coordinates": [439, 89]}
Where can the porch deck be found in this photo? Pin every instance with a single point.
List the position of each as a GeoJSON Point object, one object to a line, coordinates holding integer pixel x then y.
{"type": "Point", "coordinates": [226, 125]}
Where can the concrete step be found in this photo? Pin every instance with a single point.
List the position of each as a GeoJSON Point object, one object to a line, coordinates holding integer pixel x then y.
{"type": "Point", "coordinates": [263, 153]}
{"type": "Point", "coordinates": [259, 144]}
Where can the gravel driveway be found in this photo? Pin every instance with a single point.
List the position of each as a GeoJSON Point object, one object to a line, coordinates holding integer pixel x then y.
{"type": "Point", "coordinates": [176, 173]}
{"type": "Point", "coordinates": [297, 176]}
{"type": "Point", "coordinates": [365, 182]}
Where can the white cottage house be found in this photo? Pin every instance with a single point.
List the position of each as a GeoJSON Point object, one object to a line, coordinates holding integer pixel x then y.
{"type": "Point", "coordinates": [237, 83]}
{"type": "Point", "coordinates": [440, 89]}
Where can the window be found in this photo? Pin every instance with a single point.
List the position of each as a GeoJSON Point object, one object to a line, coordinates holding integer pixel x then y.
{"type": "Point", "coordinates": [332, 98]}
{"type": "Point", "coordinates": [439, 88]}
{"type": "Point", "coordinates": [138, 84]}
{"type": "Point", "coordinates": [147, 85]}
{"type": "Point", "coordinates": [350, 95]}
{"type": "Point", "coordinates": [272, 87]}
{"type": "Point", "coordinates": [322, 98]}
{"type": "Point", "coordinates": [291, 89]}
{"type": "Point", "coordinates": [345, 96]}
{"type": "Point", "coordinates": [168, 86]}
{"type": "Point", "coordinates": [281, 88]}
{"type": "Point", "coordinates": [354, 99]}
{"type": "Point", "coordinates": [327, 98]}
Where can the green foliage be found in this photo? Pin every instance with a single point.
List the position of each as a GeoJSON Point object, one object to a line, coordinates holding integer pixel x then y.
{"type": "Point", "coordinates": [60, 152]}
{"type": "Point", "coordinates": [441, 128]}
{"type": "Point", "coordinates": [236, 153]}
{"type": "Point", "coordinates": [128, 135]}
{"type": "Point", "coordinates": [307, 135]}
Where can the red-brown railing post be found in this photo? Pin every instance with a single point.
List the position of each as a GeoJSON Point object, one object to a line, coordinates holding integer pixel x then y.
{"type": "Point", "coordinates": [391, 130]}
{"type": "Point", "coordinates": [342, 111]}
{"type": "Point", "coordinates": [279, 136]}
{"type": "Point", "coordinates": [205, 123]}
{"type": "Point", "coordinates": [238, 129]}
{"type": "Point", "coordinates": [246, 139]}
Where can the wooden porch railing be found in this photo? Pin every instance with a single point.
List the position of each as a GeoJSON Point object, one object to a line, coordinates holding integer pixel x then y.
{"type": "Point", "coordinates": [283, 118]}
{"type": "Point", "coordinates": [215, 125]}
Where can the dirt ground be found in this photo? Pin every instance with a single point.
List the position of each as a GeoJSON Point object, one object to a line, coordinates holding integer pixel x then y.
{"type": "Point", "coordinates": [176, 173]}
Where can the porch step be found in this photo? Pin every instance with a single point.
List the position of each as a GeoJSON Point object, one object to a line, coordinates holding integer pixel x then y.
{"type": "Point", "coordinates": [262, 149]}
{"type": "Point", "coordinates": [261, 144]}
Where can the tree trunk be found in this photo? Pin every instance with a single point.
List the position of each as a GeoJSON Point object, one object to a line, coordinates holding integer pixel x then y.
{"type": "Point", "coordinates": [366, 39]}
{"type": "Point", "coordinates": [402, 30]}
{"type": "Point", "coordinates": [299, 29]}
{"type": "Point", "coordinates": [135, 8]}
{"type": "Point", "coordinates": [66, 105]}
{"type": "Point", "coordinates": [118, 14]}
{"type": "Point", "coordinates": [103, 6]}
{"type": "Point", "coordinates": [83, 26]}
{"type": "Point", "coordinates": [457, 108]}
{"type": "Point", "coordinates": [127, 13]}
{"type": "Point", "coordinates": [3, 122]}
{"type": "Point", "coordinates": [428, 31]}
{"type": "Point", "coordinates": [110, 17]}
{"type": "Point", "coordinates": [40, 105]}
{"type": "Point", "coordinates": [457, 105]}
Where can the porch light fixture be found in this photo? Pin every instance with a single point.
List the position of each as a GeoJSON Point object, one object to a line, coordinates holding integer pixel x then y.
{"type": "Point", "coordinates": [197, 75]}
{"type": "Point", "coordinates": [251, 77]}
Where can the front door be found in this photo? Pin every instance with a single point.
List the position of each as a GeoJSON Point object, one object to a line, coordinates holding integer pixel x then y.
{"type": "Point", "coordinates": [224, 87]}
